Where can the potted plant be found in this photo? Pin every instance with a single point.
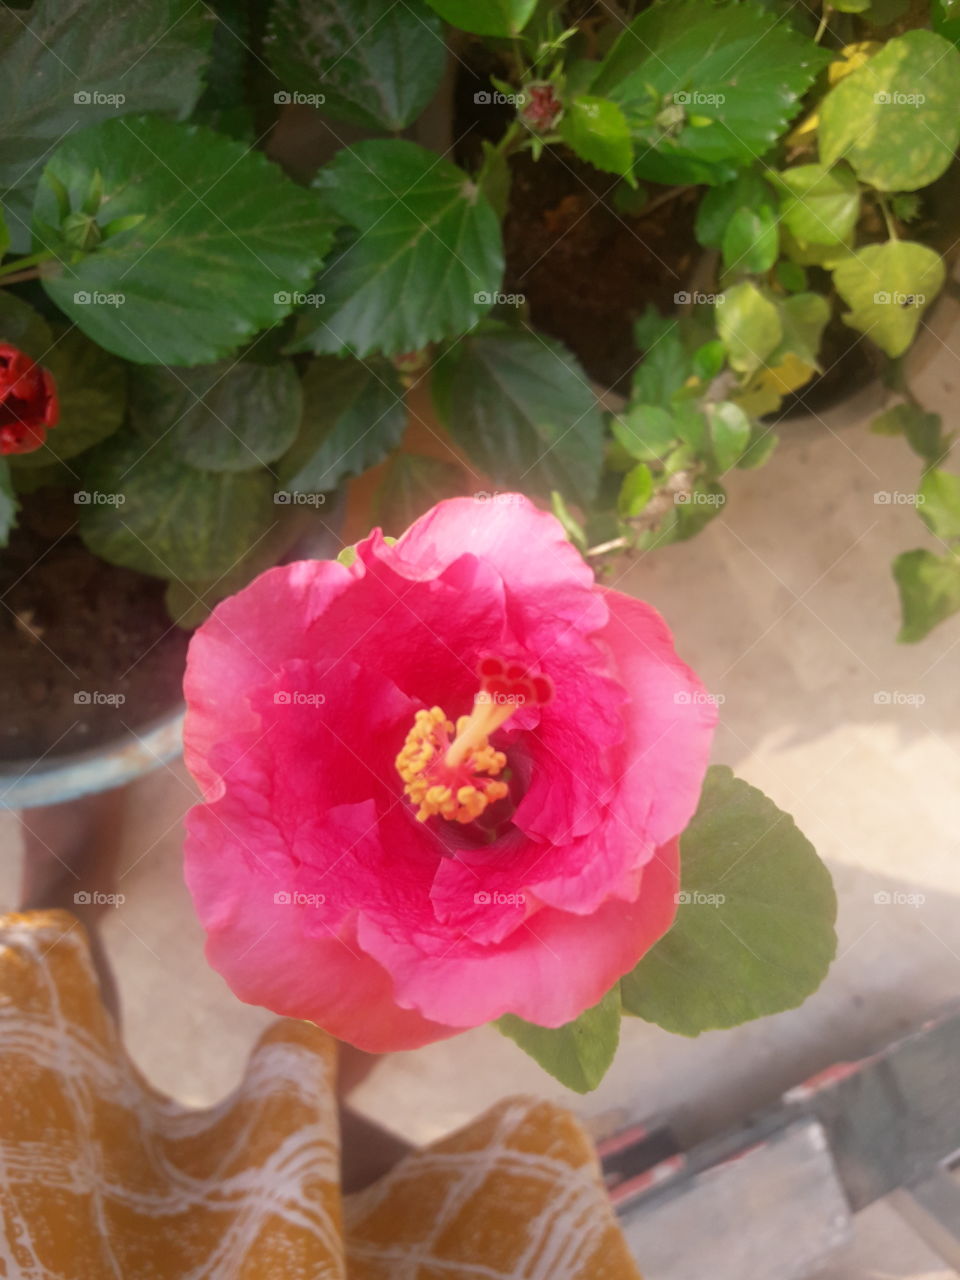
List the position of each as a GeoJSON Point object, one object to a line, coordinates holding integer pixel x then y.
{"type": "Point", "coordinates": [715, 210]}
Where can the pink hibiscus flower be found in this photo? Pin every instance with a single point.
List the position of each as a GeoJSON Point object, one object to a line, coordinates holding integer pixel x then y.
{"type": "Point", "coordinates": [442, 784]}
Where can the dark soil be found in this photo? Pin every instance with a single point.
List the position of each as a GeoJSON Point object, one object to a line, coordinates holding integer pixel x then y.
{"type": "Point", "coordinates": [72, 625]}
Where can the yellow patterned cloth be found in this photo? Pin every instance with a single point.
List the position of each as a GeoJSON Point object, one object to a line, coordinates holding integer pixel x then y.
{"type": "Point", "coordinates": [101, 1177]}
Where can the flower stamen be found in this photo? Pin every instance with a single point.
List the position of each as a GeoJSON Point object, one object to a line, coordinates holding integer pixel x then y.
{"type": "Point", "coordinates": [451, 771]}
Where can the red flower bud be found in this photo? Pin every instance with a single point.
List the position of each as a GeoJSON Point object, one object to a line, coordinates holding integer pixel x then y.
{"type": "Point", "coordinates": [28, 402]}
{"type": "Point", "coordinates": [542, 108]}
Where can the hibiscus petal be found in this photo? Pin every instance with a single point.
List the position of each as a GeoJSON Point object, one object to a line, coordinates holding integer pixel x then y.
{"type": "Point", "coordinates": [548, 971]}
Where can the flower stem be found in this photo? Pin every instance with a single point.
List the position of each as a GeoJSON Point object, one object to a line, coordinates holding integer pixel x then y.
{"type": "Point", "coordinates": [31, 260]}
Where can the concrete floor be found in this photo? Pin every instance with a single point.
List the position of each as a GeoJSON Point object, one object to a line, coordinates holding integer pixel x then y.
{"type": "Point", "coordinates": [786, 606]}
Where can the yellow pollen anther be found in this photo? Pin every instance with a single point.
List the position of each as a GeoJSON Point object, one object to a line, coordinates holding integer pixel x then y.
{"type": "Point", "coordinates": [452, 772]}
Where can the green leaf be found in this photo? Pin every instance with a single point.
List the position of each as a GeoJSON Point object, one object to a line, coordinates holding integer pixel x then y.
{"type": "Point", "coordinates": [486, 17]}
{"type": "Point", "coordinates": [791, 276]}
{"type": "Point", "coordinates": [647, 431]}
{"type": "Point", "coordinates": [718, 205]}
{"type": "Point", "coordinates": [495, 178]}
{"type": "Point", "coordinates": [803, 318]}
{"type": "Point", "coordinates": [596, 130]}
{"type": "Point", "coordinates": [23, 327]}
{"type": "Point", "coordinates": [4, 234]}
{"type": "Point", "coordinates": [571, 526]}
{"type": "Point", "coordinates": [687, 59]}
{"type": "Point", "coordinates": [635, 491]}
{"type": "Point", "coordinates": [423, 260]}
{"type": "Point", "coordinates": [923, 431]}
{"type": "Point", "coordinates": [151, 55]}
{"type": "Point", "coordinates": [230, 416]}
{"type": "Point", "coordinates": [888, 287]}
{"type": "Point", "coordinates": [354, 415]}
{"type": "Point", "coordinates": [751, 240]}
{"type": "Point", "coordinates": [754, 929]}
{"type": "Point", "coordinates": [578, 1054]}
{"type": "Point", "coordinates": [412, 484]}
{"type": "Point", "coordinates": [92, 390]}
{"type": "Point", "coordinates": [820, 205]}
{"type": "Point", "coordinates": [665, 366]}
{"type": "Point", "coordinates": [749, 325]}
{"type": "Point", "coordinates": [190, 603]}
{"type": "Point", "coordinates": [375, 63]}
{"type": "Point", "coordinates": [224, 239]}
{"type": "Point", "coordinates": [8, 503]}
{"type": "Point", "coordinates": [169, 519]}
{"type": "Point", "coordinates": [894, 118]}
{"type": "Point", "coordinates": [939, 503]}
{"type": "Point", "coordinates": [929, 588]}
{"type": "Point", "coordinates": [521, 408]}
{"type": "Point", "coordinates": [729, 432]}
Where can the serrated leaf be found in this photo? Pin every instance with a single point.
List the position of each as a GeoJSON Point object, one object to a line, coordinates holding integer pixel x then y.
{"type": "Point", "coordinates": [229, 416]}
{"type": "Point", "coordinates": [413, 483]}
{"type": "Point", "coordinates": [749, 325]}
{"type": "Point", "coordinates": [718, 205]}
{"type": "Point", "coordinates": [647, 431]}
{"type": "Point", "coordinates": [596, 130]}
{"type": "Point", "coordinates": [521, 408]}
{"type": "Point", "coordinates": [894, 118]}
{"type": "Point", "coordinates": [751, 240]}
{"type": "Point", "coordinates": [729, 433]}
{"type": "Point", "coordinates": [8, 503]}
{"type": "Point", "coordinates": [92, 391]}
{"type": "Point", "coordinates": [376, 63]}
{"type": "Point", "coordinates": [224, 240]}
{"type": "Point", "coordinates": [929, 587]}
{"type": "Point", "coordinates": [888, 287]}
{"type": "Point", "coordinates": [578, 1054]}
{"type": "Point", "coordinates": [820, 205]}
{"type": "Point", "coordinates": [151, 54]}
{"type": "Point", "coordinates": [169, 519]}
{"type": "Point", "coordinates": [423, 258]}
{"type": "Point", "coordinates": [939, 503]}
{"type": "Point", "coordinates": [691, 56]}
{"type": "Point", "coordinates": [354, 415]}
{"type": "Point", "coordinates": [754, 929]}
{"type": "Point", "coordinates": [486, 17]}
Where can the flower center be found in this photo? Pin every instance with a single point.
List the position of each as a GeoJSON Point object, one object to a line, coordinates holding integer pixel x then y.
{"type": "Point", "coordinates": [453, 771]}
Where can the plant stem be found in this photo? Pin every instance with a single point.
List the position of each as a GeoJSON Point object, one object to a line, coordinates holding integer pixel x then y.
{"type": "Point", "coordinates": [30, 261]}
{"type": "Point", "coordinates": [887, 216]}
{"type": "Point", "coordinates": [18, 277]}
{"type": "Point", "coordinates": [824, 19]}
{"type": "Point", "coordinates": [663, 198]}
